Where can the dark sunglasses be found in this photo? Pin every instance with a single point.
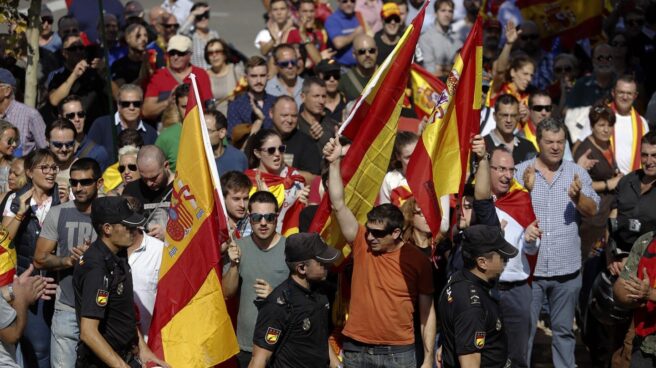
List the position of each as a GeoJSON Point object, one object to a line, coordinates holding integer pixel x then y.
{"type": "Point", "coordinates": [286, 64]}
{"type": "Point", "coordinates": [539, 108]}
{"type": "Point", "coordinates": [393, 19]}
{"type": "Point", "coordinates": [378, 233]}
{"type": "Point", "coordinates": [205, 15]}
{"type": "Point", "coordinates": [79, 114]}
{"type": "Point", "coordinates": [530, 37]}
{"type": "Point", "coordinates": [174, 25]}
{"type": "Point", "coordinates": [75, 48]}
{"type": "Point", "coordinates": [46, 19]}
{"type": "Point", "coordinates": [268, 217]}
{"type": "Point", "coordinates": [347, 1]}
{"type": "Point", "coordinates": [131, 167]}
{"type": "Point", "coordinates": [83, 182]}
{"type": "Point", "coordinates": [126, 104]}
{"type": "Point", "coordinates": [177, 53]}
{"type": "Point", "coordinates": [605, 58]}
{"type": "Point", "coordinates": [563, 69]}
{"type": "Point", "coordinates": [335, 75]}
{"type": "Point", "coordinates": [271, 150]}
{"type": "Point", "coordinates": [371, 50]}
{"type": "Point", "coordinates": [60, 145]}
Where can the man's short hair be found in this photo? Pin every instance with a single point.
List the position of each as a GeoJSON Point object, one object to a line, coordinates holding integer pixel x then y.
{"type": "Point", "coordinates": [255, 61]}
{"type": "Point", "coordinates": [282, 98]}
{"type": "Point", "coordinates": [549, 125]}
{"type": "Point", "coordinates": [649, 138]}
{"type": "Point", "coordinates": [312, 81]}
{"type": "Point", "coordinates": [275, 1]}
{"type": "Point", "coordinates": [438, 3]}
{"type": "Point", "coordinates": [133, 26]}
{"type": "Point", "coordinates": [61, 124]}
{"type": "Point", "coordinates": [129, 137]}
{"type": "Point", "coordinates": [538, 93]}
{"type": "Point", "coordinates": [129, 87]}
{"type": "Point", "coordinates": [235, 181]}
{"type": "Point", "coordinates": [86, 164]}
{"type": "Point", "coordinates": [221, 121]}
{"type": "Point", "coordinates": [626, 78]}
{"type": "Point", "coordinates": [262, 196]}
{"type": "Point", "coordinates": [499, 148]}
{"type": "Point", "coordinates": [180, 91]}
{"type": "Point", "coordinates": [387, 214]}
{"type": "Point", "coordinates": [67, 99]}
{"type": "Point", "coordinates": [282, 46]}
{"type": "Point", "coordinates": [505, 99]}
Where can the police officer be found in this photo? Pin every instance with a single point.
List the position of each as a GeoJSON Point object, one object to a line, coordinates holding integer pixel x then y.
{"type": "Point", "coordinates": [102, 281]}
{"type": "Point", "coordinates": [292, 322]}
{"type": "Point", "coordinates": [472, 328]}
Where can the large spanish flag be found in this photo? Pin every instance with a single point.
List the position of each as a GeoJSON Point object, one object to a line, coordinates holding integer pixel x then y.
{"type": "Point", "coordinates": [438, 165]}
{"type": "Point", "coordinates": [372, 126]}
{"type": "Point", "coordinates": [7, 259]}
{"type": "Point", "coordinates": [426, 90]}
{"type": "Point", "coordinates": [190, 325]}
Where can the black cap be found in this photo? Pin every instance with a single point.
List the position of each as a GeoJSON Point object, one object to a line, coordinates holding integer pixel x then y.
{"type": "Point", "coordinates": [326, 66]}
{"type": "Point", "coordinates": [115, 210]}
{"type": "Point", "coordinates": [481, 239]}
{"type": "Point", "coordinates": [304, 246]}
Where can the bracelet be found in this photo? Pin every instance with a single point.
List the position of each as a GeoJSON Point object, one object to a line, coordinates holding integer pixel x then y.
{"type": "Point", "coordinates": [19, 217]}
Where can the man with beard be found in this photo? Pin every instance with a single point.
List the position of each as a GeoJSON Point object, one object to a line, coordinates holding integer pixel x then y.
{"type": "Point", "coordinates": [365, 53]}
{"type": "Point", "coordinates": [506, 115]}
{"type": "Point", "coordinates": [314, 120]}
{"type": "Point", "coordinates": [256, 265]}
{"type": "Point", "coordinates": [66, 234]}
{"type": "Point", "coordinates": [71, 110]}
{"type": "Point", "coordinates": [61, 142]}
{"type": "Point", "coordinates": [227, 157]}
{"type": "Point", "coordinates": [387, 38]}
{"type": "Point", "coordinates": [591, 88]}
{"type": "Point", "coordinates": [287, 81]}
{"type": "Point", "coordinates": [136, 67]}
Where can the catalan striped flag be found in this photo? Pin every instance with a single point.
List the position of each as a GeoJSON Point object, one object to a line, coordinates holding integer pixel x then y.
{"type": "Point", "coordinates": [372, 126]}
{"type": "Point", "coordinates": [438, 165]}
{"type": "Point", "coordinates": [7, 259]}
{"type": "Point", "coordinates": [426, 90]}
{"type": "Point", "coordinates": [191, 326]}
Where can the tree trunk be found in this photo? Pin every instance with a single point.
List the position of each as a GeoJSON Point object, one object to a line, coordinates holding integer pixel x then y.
{"type": "Point", "coordinates": [32, 34]}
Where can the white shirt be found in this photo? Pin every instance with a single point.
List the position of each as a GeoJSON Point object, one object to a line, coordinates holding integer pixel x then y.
{"type": "Point", "coordinates": [40, 211]}
{"type": "Point", "coordinates": [517, 268]}
{"type": "Point", "coordinates": [145, 262]}
{"type": "Point", "coordinates": [180, 9]}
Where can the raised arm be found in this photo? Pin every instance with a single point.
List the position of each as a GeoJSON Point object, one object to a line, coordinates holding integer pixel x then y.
{"type": "Point", "coordinates": [332, 151]}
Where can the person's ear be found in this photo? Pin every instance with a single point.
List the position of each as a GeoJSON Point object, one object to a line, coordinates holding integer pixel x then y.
{"type": "Point", "coordinates": [396, 234]}
{"type": "Point", "coordinates": [222, 133]}
{"type": "Point", "coordinates": [301, 268]}
{"type": "Point", "coordinates": [481, 263]}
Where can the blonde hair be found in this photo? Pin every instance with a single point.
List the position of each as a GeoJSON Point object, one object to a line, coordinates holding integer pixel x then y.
{"type": "Point", "coordinates": [170, 116]}
{"type": "Point", "coordinates": [128, 150]}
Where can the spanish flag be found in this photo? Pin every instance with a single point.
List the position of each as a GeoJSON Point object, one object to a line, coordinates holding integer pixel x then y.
{"type": "Point", "coordinates": [438, 165]}
{"type": "Point", "coordinates": [372, 126]}
{"type": "Point", "coordinates": [426, 90]}
{"type": "Point", "coordinates": [7, 259]}
{"type": "Point", "coordinates": [190, 325]}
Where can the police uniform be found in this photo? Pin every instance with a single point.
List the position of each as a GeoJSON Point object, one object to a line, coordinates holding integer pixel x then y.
{"type": "Point", "coordinates": [293, 321]}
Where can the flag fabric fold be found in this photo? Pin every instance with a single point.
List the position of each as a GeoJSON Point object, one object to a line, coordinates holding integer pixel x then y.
{"type": "Point", "coordinates": [7, 259]}
{"type": "Point", "coordinates": [191, 326]}
{"type": "Point", "coordinates": [426, 90]}
{"type": "Point", "coordinates": [438, 165]}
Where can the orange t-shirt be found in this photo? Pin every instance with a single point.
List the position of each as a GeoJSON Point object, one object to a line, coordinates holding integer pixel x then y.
{"type": "Point", "coordinates": [384, 290]}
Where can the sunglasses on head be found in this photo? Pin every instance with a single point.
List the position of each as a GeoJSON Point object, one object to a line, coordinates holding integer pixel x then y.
{"type": "Point", "coordinates": [334, 75]}
{"type": "Point", "coordinates": [393, 19]}
{"type": "Point", "coordinates": [268, 217]}
{"type": "Point", "coordinates": [79, 114]}
{"type": "Point", "coordinates": [83, 182]}
{"type": "Point", "coordinates": [60, 145]}
{"type": "Point", "coordinates": [131, 167]}
{"type": "Point", "coordinates": [126, 104]}
{"type": "Point", "coordinates": [271, 150]}
{"type": "Point", "coordinates": [177, 53]}
{"type": "Point", "coordinates": [378, 233]}
{"type": "Point", "coordinates": [371, 51]}
{"type": "Point", "coordinates": [46, 19]}
{"type": "Point", "coordinates": [205, 15]}
{"type": "Point", "coordinates": [539, 108]}
{"type": "Point", "coordinates": [286, 63]}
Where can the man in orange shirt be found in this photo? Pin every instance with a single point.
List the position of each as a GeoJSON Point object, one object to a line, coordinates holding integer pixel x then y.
{"type": "Point", "coordinates": [389, 279]}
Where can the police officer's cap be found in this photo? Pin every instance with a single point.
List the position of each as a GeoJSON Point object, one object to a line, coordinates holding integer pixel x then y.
{"type": "Point", "coordinates": [481, 239]}
{"type": "Point", "coordinates": [305, 246]}
{"type": "Point", "coordinates": [115, 210]}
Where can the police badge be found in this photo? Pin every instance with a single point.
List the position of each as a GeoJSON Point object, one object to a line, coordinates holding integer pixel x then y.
{"type": "Point", "coordinates": [306, 324]}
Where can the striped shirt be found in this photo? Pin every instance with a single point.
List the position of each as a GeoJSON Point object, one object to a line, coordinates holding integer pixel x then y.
{"type": "Point", "coordinates": [30, 125]}
{"type": "Point", "coordinates": [560, 245]}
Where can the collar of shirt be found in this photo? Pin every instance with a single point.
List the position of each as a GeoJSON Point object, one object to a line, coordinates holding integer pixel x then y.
{"type": "Point", "coordinates": [498, 141]}
{"type": "Point", "coordinates": [9, 108]}
{"type": "Point", "coordinates": [117, 121]}
{"type": "Point", "coordinates": [476, 280]}
{"type": "Point", "coordinates": [142, 246]}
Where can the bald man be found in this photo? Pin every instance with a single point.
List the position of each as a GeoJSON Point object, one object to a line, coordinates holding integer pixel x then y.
{"type": "Point", "coordinates": [153, 189]}
{"type": "Point", "coordinates": [365, 52]}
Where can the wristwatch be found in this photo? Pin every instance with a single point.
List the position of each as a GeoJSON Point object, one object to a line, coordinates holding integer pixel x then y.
{"type": "Point", "coordinates": [10, 291]}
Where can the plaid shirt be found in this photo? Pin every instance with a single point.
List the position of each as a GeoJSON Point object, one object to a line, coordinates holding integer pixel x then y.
{"type": "Point", "coordinates": [30, 125]}
{"type": "Point", "coordinates": [560, 245]}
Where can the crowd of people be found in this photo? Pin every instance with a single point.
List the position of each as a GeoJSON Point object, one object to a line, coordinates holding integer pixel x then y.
{"type": "Point", "coordinates": [555, 227]}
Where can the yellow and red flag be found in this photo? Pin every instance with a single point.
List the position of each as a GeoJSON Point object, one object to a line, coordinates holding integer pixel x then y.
{"type": "Point", "coordinates": [191, 326]}
{"type": "Point", "coordinates": [426, 90]}
{"type": "Point", "coordinates": [372, 126]}
{"type": "Point", "coordinates": [7, 259]}
{"type": "Point", "coordinates": [438, 165]}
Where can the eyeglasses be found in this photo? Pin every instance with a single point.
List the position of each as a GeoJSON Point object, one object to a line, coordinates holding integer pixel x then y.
{"type": "Point", "coordinates": [271, 150]}
{"type": "Point", "coordinates": [503, 170]}
{"type": "Point", "coordinates": [371, 50]}
{"type": "Point", "coordinates": [84, 182]}
{"type": "Point", "coordinates": [177, 53]}
{"type": "Point", "coordinates": [563, 69]}
{"type": "Point", "coordinates": [378, 233]}
{"type": "Point", "coordinates": [601, 58]}
{"type": "Point", "coordinates": [393, 19]}
{"type": "Point", "coordinates": [540, 108]}
{"type": "Point", "coordinates": [131, 167]}
{"type": "Point", "coordinates": [46, 19]}
{"type": "Point", "coordinates": [286, 63]}
{"type": "Point", "coordinates": [75, 48]}
{"type": "Point", "coordinates": [529, 37]}
{"type": "Point", "coordinates": [215, 52]}
{"type": "Point", "coordinates": [72, 115]}
{"type": "Point", "coordinates": [334, 75]}
{"type": "Point", "coordinates": [168, 26]}
{"type": "Point", "coordinates": [205, 15]}
{"type": "Point", "coordinates": [126, 104]}
{"type": "Point", "coordinates": [11, 141]}
{"type": "Point", "coordinates": [61, 145]}
{"type": "Point", "coordinates": [268, 217]}
{"type": "Point", "coordinates": [48, 168]}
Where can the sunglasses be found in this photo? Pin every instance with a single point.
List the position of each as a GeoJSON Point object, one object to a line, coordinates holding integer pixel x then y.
{"type": "Point", "coordinates": [601, 58]}
{"type": "Point", "coordinates": [11, 141]}
{"type": "Point", "coordinates": [271, 150]}
{"type": "Point", "coordinates": [126, 104]}
{"type": "Point", "coordinates": [268, 217]}
{"type": "Point", "coordinates": [378, 233]}
{"type": "Point", "coordinates": [286, 64]}
{"type": "Point", "coordinates": [205, 15]}
{"type": "Point", "coordinates": [83, 182]}
{"type": "Point", "coordinates": [334, 75]}
{"type": "Point", "coordinates": [539, 108]}
{"type": "Point", "coordinates": [168, 26]}
{"type": "Point", "coordinates": [177, 53]}
{"type": "Point", "coordinates": [72, 115]}
{"type": "Point", "coordinates": [215, 52]}
{"type": "Point", "coordinates": [347, 1]}
{"type": "Point", "coordinates": [563, 69]}
{"type": "Point", "coordinates": [46, 19]}
{"type": "Point", "coordinates": [393, 19]}
{"type": "Point", "coordinates": [75, 48]}
{"type": "Point", "coordinates": [131, 167]}
{"type": "Point", "coordinates": [371, 50]}
{"type": "Point", "coordinates": [61, 145]}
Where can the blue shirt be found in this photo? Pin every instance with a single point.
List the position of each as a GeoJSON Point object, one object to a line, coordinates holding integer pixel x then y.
{"type": "Point", "coordinates": [339, 24]}
{"type": "Point", "coordinates": [560, 244]}
{"type": "Point", "coordinates": [231, 160]}
{"type": "Point", "coordinates": [91, 149]}
{"type": "Point", "coordinates": [276, 88]}
{"type": "Point", "coordinates": [101, 133]}
{"type": "Point", "coordinates": [240, 111]}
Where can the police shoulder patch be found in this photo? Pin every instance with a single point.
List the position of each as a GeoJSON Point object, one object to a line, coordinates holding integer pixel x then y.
{"type": "Point", "coordinates": [272, 335]}
{"type": "Point", "coordinates": [474, 298]}
{"type": "Point", "coordinates": [479, 340]}
{"type": "Point", "coordinates": [102, 297]}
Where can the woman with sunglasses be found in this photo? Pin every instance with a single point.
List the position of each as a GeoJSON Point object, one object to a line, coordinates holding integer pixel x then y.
{"type": "Point", "coordinates": [224, 76]}
{"type": "Point", "coordinates": [268, 171]}
{"type": "Point", "coordinates": [197, 27]}
{"type": "Point", "coordinates": [9, 138]}
{"type": "Point", "coordinates": [23, 216]}
{"type": "Point", "coordinates": [127, 167]}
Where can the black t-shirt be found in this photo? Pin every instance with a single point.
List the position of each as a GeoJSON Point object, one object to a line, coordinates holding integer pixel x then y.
{"type": "Point", "coordinates": [471, 322]}
{"type": "Point", "coordinates": [383, 48]}
{"type": "Point", "coordinates": [125, 69]}
{"type": "Point", "coordinates": [524, 150]}
{"type": "Point", "coordinates": [102, 282]}
{"type": "Point", "coordinates": [151, 199]}
{"type": "Point", "coordinates": [636, 213]}
{"type": "Point", "coordinates": [91, 89]}
{"type": "Point", "coordinates": [293, 323]}
{"type": "Point", "coordinates": [306, 154]}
